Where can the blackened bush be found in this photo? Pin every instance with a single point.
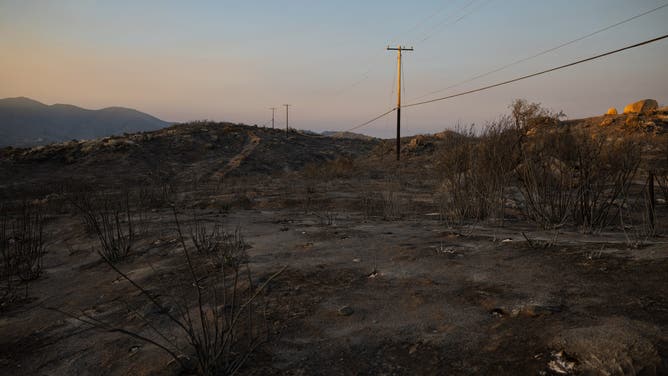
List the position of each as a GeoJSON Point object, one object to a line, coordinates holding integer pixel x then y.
{"type": "Point", "coordinates": [7, 266]}
{"type": "Point", "coordinates": [605, 170]}
{"type": "Point", "coordinates": [27, 243]}
{"type": "Point", "coordinates": [110, 219]}
{"type": "Point", "coordinates": [477, 170]}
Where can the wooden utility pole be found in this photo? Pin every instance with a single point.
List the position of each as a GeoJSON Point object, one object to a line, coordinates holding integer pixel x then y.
{"type": "Point", "coordinates": [273, 110]}
{"type": "Point", "coordinates": [399, 49]}
{"type": "Point", "coordinates": [287, 119]}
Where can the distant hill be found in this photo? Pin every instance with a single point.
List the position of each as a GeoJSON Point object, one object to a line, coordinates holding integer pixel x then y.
{"type": "Point", "coordinates": [26, 122]}
{"type": "Point", "coordinates": [356, 136]}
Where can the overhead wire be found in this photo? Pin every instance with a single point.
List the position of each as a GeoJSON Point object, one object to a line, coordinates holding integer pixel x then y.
{"type": "Point", "coordinates": [510, 81]}
{"type": "Point", "coordinates": [515, 63]}
{"type": "Point", "coordinates": [431, 33]}
{"type": "Point", "coordinates": [457, 20]}
{"type": "Point", "coordinates": [390, 98]}
{"type": "Point", "coordinates": [403, 92]}
{"type": "Point", "coordinates": [403, 82]}
{"type": "Point", "coordinates": [394, 82]}
{"type": "Point", "coordinates": [423, 21]}
{"type": "Point", "coordinates": [541, 53]}
{"type": "Point", "coordinates": [365, 74]}
{"type": "Point", "coordinates": [371, 121]}
{"type": "Point", "coordinates": [539, 73]}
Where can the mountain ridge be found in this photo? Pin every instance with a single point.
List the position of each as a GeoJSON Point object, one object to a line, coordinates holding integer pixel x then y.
{"type": "Point", "coordinates": [26, 122]}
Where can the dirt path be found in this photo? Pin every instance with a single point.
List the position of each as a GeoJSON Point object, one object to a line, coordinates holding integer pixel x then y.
{"type": "Point", "coordinates": [236, 161]}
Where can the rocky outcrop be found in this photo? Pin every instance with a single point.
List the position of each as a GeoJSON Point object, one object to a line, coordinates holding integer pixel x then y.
{"type": "Point", "coordinates": [611, 111]}
{"type": "Point", "coordinates": [644, 106]}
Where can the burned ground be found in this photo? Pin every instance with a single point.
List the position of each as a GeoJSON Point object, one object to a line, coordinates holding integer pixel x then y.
{"type": "Point", "coordinates": [379, 279]}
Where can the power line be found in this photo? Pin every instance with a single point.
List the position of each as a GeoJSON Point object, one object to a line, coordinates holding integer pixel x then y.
{"type": "Point", "coordinates": [403, 80]}
{"type": "Point", "coordinates": [370, 121]}
{"type": "Point", "coordinates": [541, 72]}
{"type": "Point", "coordinates": [545, 51]}
{"type": "Point", "coordinates": [432, 30]}
{"type": "Point", "coordinates": [367, 72]}
{"type": "Point", "coordinates": [443, 23]}
{"type": "Point", "coordinates": [423, 21]}
{"type": "Point", "coordinates": [394, 81]}
{"type": "Point", "coordinates": [510, 81]}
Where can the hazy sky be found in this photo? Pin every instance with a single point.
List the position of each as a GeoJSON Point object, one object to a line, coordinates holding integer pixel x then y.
{"type": "Point", "coordinates": [232, 60]}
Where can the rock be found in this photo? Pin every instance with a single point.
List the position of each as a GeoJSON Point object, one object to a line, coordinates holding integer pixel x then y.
{"type": "Point", "coordinates": [561, 364]}
{"type": "Point", "coordinates": [345, 311]}
{"type": "Point", "coordinates": [632, 120]}
{"type": "Point", "coordinates": [644, 106]}
{"type": "Point", "coordinates": [607, 121]}
{"type": "Point", "coordinates": [419, 143]}
{"type": "Point", "coordinates": [663, 109]}
{"type": "Point", "coordinates": [497, 312]}
{"type": "Point", "coordinates": [611, 111]}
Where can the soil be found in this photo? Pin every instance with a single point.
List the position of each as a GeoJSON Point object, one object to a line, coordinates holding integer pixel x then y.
{"type": "Point", "coordinates": [363, 293]}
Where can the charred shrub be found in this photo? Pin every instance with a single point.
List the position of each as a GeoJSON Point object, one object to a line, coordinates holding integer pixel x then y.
{"type": "Point", "coordinates": [218, 320]}
{"type": "Point", "coordinates": [110, 218]}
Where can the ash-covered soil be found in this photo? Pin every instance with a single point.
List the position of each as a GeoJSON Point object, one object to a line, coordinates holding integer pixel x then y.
{"type": "Point", "coordinates": [376, 281]}
{"type": "Point", "coordinates": [424, 300]}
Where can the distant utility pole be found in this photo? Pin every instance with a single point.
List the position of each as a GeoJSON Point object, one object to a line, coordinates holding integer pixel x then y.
{"type": "Point", "coordinates": [287, 119]}
{"type": "Point", "coordinates": [273, 110]}
{"type": "Point", "coordinates": [399, 49]}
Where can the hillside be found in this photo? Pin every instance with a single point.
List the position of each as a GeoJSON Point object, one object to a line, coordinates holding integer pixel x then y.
{"type": "Point", "coordinates": [206, 151]}
{"type": "Point", "coordinates": [26, 122]}
{"type": "Point", "coordinates": [201, 150]}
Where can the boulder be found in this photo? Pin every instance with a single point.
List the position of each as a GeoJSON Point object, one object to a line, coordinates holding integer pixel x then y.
{"type": "Point", "coordinates": [644, 106]}
{"type": "Point", "coordinates": [611, 111]}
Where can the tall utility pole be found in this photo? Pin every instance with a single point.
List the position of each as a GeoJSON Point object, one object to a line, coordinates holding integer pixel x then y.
{"type": "Point", "coordinates": [287, 123]}
{"type": "Point", "coordinates": [399, 49]}
{"type": "Point", "coordinates": [273, 110]}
